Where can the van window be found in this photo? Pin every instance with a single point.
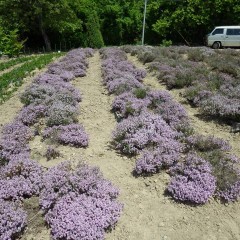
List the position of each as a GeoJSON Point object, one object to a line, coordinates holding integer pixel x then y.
{"type": "Point", "coordinates": [218, 31]}
{"type": "Point", "coordinates": [237, 31]}
{"type": "Point", "coordinates": [233, 31]}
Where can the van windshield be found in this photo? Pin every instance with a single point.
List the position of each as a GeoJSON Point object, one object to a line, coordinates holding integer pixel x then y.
{"type": "Point", "coordinates": [218, 31]}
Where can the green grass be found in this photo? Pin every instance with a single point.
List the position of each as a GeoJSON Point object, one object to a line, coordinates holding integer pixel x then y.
{"type": "Point", "coordinates": [9, 82]}
{"type": "Point", "coordinates": [12, 62]}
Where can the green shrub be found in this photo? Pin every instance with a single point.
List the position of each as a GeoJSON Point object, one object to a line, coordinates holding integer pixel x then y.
{"type": "Point", "coordinates": [191, 92]}
{"type": "Point", "coordinates": [147, 57]}
{"type": "Point", "coordinates": [140, 92]}
{"type": "Point", "coordinates": [9, 43]}
{"type": "Point", "coordinates": [166, 43]}
{"type": "Point", "coordinates": [224, 168]}
{"type": "Point", "coordinates": [94, 35]}
{"type": "Point", "coordinates": [195, 55]}
{"type": "Point", "coordinates": [184, 79]}
{"type": "Point", "coordinates": [10, 81]}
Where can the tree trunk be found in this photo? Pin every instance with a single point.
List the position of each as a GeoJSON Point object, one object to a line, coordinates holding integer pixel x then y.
{"type": "Point", "coordinates": [44, 35]}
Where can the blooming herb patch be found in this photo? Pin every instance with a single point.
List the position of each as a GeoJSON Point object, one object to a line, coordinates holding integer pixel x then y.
{"type": "Point", "coordinates": [63, 190]}
{"type": "Point", "coordinates": [155, 127]}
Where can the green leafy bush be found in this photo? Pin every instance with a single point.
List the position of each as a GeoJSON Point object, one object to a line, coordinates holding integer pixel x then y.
{"type": "Point", "coordinates": [94, 35]}
{"type": "Point", "coordinates": [166, 43]}
{"type": "Point", "coordinates": [9, 43]}
{"type": "Point", "coordinates": [140, 92]}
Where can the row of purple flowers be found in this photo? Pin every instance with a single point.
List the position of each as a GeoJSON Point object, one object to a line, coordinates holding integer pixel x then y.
{"type": "Point", "coordinates": [77, 202]}
{"type": "Point", "coordinates": [210, 78]}
{"type": "Point", "coordinates": [157, 129]}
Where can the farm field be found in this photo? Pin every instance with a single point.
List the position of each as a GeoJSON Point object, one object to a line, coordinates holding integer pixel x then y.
{"type": "Point", "coordinates": [149, 211]}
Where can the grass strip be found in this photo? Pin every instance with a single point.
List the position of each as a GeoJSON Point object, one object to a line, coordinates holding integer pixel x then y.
{"type": "Point", "coordinates": [12, 62]}
{"type": "Point", "coordinates": [9, 82]}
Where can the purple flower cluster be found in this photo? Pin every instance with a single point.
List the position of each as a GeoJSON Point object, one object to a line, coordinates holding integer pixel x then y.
{"type": "Point", "coordinates": [128, 104]}
{"type": "Point", "coordinates": [79, 203]}
{"type": "Point", "coordinates": [14, 141]}
{"type": "Point", "coordinates": [58, 98]}
{"type": "Point", "coordinates": [74, 65]}
{"type": "Point", "coordinates": [223, 106]}
{"type": "Point", "coordinates": [83, 179]}
{"type": "Point", "coordinates": [54, 92]}
{"type": "Point", "coordinates": [164, 156]}
{"type": "Point", "coordinates": [147, 130]}
{"type": "Point", "coordinates": [60, 113]}
{"type": "Point", "coordinates": [84, 217]}
{"type": "Point", "coordinates": [215, 89]}
{"type": "Point", "coordinates": [232, 193]}
{"type": "Point", "coordinates": [20, 178]}
{"type": "Point", "coordinates": [150, 118]}
{"type": "Point", "coordinates": [12, 220]}
{"type": "Point", "coordinates": [195, 179]}
{"type": "Point", "coordinates": [160, 102]}
{"type": "Point", "coordinates": [119, 75]}
{"type": "Point", "coordinates": [30, 114]}
{"type": "Point", "coordinates": [192, 180]}
{"type": "Point", "coordinates": [72, 134]}
{"type": "Point", "coordinates": [52, 97]}
{"type": "Point", "coordinates": [206, 143]}
{"type": "Point", "coordinates": [112, 52]}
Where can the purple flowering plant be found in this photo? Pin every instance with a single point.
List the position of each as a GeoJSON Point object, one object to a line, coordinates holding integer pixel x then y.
{"type": "Point", "coordinates": [13, 220]}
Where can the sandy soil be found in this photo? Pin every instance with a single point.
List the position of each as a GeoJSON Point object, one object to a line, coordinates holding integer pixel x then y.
{"type": "Point", "coordinates": [148, 213]}
{"type": "Point", "coordinates": [4, 59]}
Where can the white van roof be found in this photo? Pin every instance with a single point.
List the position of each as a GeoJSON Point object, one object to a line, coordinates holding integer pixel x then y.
{"type": "Point", "coordinates": [228, 26]}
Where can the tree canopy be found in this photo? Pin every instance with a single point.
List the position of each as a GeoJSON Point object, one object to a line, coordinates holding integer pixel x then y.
{"type": "Point", "coordinates": [95, 23]}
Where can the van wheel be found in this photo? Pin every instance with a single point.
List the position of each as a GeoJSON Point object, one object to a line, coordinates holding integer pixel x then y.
{"type": "Point", "coordinates": [216, 45]}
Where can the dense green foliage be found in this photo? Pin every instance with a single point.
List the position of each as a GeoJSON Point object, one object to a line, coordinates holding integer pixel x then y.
{"type": "Point", "coordinates": [74, 23]}
{"type": "Point", "coordinates": [7, 64]}
{"type": "Point", "coordinates": [9, 42]}
{"type": "Point", "coordinates": [10, 81]}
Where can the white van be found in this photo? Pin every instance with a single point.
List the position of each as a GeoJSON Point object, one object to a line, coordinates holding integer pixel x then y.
{"type": "Point", "coordinates": [224, 36]}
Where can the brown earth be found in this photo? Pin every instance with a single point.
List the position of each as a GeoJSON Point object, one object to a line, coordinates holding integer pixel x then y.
{"type": "Point", "coordinates": [148, 213]}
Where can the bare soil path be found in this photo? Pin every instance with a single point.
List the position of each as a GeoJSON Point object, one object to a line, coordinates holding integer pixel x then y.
{"type": "Point", "coordinates": [148, 213]}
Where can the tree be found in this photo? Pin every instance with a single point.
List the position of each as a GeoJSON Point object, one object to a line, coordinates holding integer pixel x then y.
{"type": "Point", "coordinates": [44, 16]}
{"type": "Point", "coordinates": [91, 35]}
{"type": "Point", "coordinates": [120, 21]}
{"type": "Point", "coordinates": [192, 19]}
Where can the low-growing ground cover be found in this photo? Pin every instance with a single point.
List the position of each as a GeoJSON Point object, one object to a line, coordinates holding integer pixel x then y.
{"type": "Point", "coordinates": [54, 101]}
{"type": "Point", "coordinates": [148, 212]}
{"type": "Point", "coordinates": [162, 139]}
{"type": "Point", "coordinates": [210, 78]}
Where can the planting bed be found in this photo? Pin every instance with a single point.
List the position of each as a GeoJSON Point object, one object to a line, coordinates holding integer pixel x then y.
{"type": "Point", "coordinates": [50, 111]}
{"type": "Point", "coordinates": [156, 141]}
{"type": "Point", "coordinates": [10, 81]}
{"type": "Point", "coordinates": [210, 78]}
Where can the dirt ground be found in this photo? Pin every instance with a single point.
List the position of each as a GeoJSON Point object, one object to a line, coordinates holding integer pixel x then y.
{"type": "Point", "coordinates": [149, 214]}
